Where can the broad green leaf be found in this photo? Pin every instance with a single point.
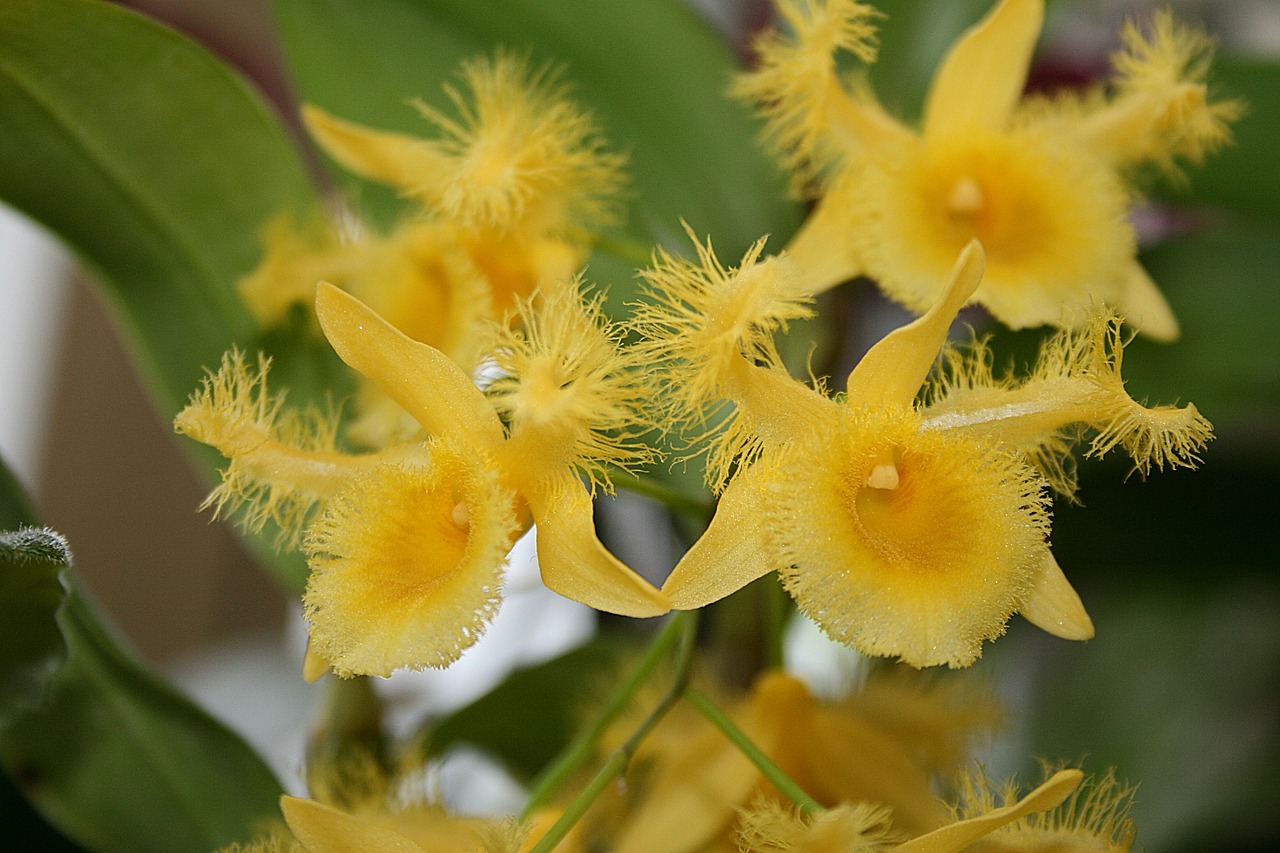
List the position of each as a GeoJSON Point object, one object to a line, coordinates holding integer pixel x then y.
{"type": "Point", "coordinates": [154, 161]}
{"type": "Point", "coordinates": [652, 71]}
{"type": "Point", "coordinates": [532, 714]}
{"type": "Point", "coordinates": [111, 755]}
{"type": "Point", "coordinates": [159, 166]}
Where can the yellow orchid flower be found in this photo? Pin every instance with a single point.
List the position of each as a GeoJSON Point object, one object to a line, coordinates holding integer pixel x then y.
{"type": "Point", "coordinates": [1042, 183]}
{"type": "Point", "coordinates": [902, 528]}
{"type": "Point", "coordinates": [522, 173]}
{"type": "Point", "coordinates": [408, 549]}
{"type": "Point", "coordinates": [863, 827]}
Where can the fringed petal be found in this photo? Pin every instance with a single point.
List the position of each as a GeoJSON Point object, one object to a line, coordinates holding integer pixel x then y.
{"type": "Point", "coordinates": [957, 836]}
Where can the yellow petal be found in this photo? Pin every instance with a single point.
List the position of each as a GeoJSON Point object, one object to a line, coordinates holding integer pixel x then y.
{"type": "Point", "coordinates": [892, 371]}
{"type": "Point", "coordinates": [1145, 308]}
{"type": "Point", "coordinates": [731, 553]}
{"type": "Point", "coordinates": [424, 381]}
{"type": "Point", "coordinates": [393, 159]}
{"type": "Point", "coordinates": [957, 836]}
{"type": "Point", "coordinates": [575, 564]}
{"type": "Point", "coordinates": [825, 248]}
{"type": "Point", "coordinates": [982, 77]}
{"type": "Point", "coordinates": [324, 829]}
{"type": "Point", "coordinates": [1054, 606]}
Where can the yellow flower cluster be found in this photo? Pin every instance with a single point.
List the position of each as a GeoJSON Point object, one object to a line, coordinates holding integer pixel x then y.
{"type": "Point", "coordinates": [906, 512]}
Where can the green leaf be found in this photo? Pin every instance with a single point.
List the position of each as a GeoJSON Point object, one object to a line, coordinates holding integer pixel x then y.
{"type": "Point", "coordinates": [111, 755]}
{"type": "Point", "coordinates": [159, 166]}
{"type": "Point", "coordinates": [31, 563]}
{"type": "Point", "coordinates": [1221, 285]}
{"type": "Point", "coordinates": [1242, 176]}
{"type": "Point", "coordinates": [154, 161]}
{"type": "Point", "coordinates": [528, 718]}
{"type": "Point", "coordinates": [652, 71]}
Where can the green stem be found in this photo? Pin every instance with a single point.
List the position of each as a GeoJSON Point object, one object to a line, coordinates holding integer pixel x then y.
{"type": "Point", "coordinates": [702, 510]}
{"type": "Point", "coordinates": [616, 764]}
{"type": "Point", "coordinates": [771, 771]}
{"type": "Point", "coordinates": [579, 749]}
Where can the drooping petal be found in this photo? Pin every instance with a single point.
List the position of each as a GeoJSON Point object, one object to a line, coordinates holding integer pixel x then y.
{"type": "Point", "coordinates": [892, 371]}
{"type": "Point", "coordinates": [395, 159]}
{"type": "Point", "coordinates": [733, 551]}
{"type": "Point", "coordinates": [424, 381]}
{"type": "Point", "coordinates": [1145, 308]}
{"type": "Point", "coordinates": [1054, 606]}
{"type": "Point", "coordinates": [957, 836]}
{"type": "Point", "coordinates": [982, 77]}
{"type": "Point", "coordinates": [574, 563]}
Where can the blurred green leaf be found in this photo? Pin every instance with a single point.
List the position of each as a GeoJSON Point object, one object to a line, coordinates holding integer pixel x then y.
{"type": "Point", "coordinates": [1222, 286]}
{"type": "Point", "coordinates": [528, 718]}
{"type": "Point", "coordinates": [1243, 177]}
{"type": "Point", "coordinates": [108, 753]}
{"type": "Point", "coordinates": [31, 564]}
{"type": "Point", "coordinates": [652, 71]}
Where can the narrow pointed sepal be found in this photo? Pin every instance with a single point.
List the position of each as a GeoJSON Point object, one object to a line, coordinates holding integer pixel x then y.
{"type": "Point", "coordinates": [1145, 308]}
{"type": "Point", "coordinates": [892, 371]}
{"type": "Point", "coordinates": [394, 159]}
{"type": "Point", "coordinates": [314, 666]}
{"type": "Point", "coordinates": [422, 380]}
{"type": "Point", "coordinates": [1054, 606]}
{"type": "Point", "coordinates": [957, 836]}
{"type": "Point", "coordinates": [981, 80]}
{"type": "Point", "coordinates": [575, 564]}
{"type": "Point", "coordinates": [732, 552]}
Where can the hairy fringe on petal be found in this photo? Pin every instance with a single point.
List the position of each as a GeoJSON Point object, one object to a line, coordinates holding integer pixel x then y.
{"type": "Point", "coordinates": [1171, 62]}
{"type": "Point", "coordinates": [771, 827]}
{"type": "Point", "coordinates": [233, 413]}
{"type": "Point", "coordinates": [797, 79]}
{"type": "Point", "coordinates": [698, 319]}
{"type": "Point", "coordinates": [520, 151]}
{"type": "Point", "coordinates": [564, 373]}
{"type": "Point", "coordinates": [1159, 437]}
{"type": "Point", "coordinates": [1095, 816]}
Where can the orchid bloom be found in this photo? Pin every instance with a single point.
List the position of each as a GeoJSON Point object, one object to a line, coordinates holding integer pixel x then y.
{"type": "Point", "coordinates": [902, 528]}
{"type": "Point", "coordinates": [407, 545]}
{"type": "Point", "coordinates": [1042, 183]}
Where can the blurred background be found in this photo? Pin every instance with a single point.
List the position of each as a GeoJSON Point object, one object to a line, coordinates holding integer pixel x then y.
{"type": "Point", "coordinates": [1181, 689]}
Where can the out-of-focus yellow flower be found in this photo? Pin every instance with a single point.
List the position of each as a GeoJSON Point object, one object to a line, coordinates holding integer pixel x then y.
{"type": "Point", "coordinates": [1042, 183]}
{"type": "Point", "coordinates": [864, 828]}
{"type": "Point", "coordinates": [902, 528]}
{"type": "Point", "coordinates": [693, 783]}
{"type": "Point", "coordinates": [407, 552]}
{"type": "Point", "coordinates": [1094, 819]}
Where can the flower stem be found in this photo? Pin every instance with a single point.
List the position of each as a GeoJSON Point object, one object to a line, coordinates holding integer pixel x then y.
{"type": "Point", "coordinates": [579, 749]}
{"type": "Point", "coordinates": [686, 631]}
{"type": "Point", "coordinates": [771, 771]}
